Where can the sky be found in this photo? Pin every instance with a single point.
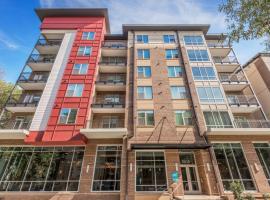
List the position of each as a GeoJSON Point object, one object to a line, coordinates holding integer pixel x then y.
{"type": "Point", "coordinates": [19, 25]}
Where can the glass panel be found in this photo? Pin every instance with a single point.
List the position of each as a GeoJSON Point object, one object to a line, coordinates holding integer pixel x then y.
{"type": "Point", "coordinates": [185, 179]}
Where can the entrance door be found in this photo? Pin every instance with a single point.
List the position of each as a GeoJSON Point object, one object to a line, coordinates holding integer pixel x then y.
{"type": "Point", "coordinates": [189, 173]}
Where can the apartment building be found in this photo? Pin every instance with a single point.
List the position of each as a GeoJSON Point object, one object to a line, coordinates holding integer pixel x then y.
{"type": "Point", "coordinates": [154, 112]}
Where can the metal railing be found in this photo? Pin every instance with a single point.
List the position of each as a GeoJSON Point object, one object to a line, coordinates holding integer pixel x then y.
{"type": "Point", "coordinates": [114, 45]}
{"type": "Point", "coordinates": [41, 58]}
{"type": "Point", "coordinates": [21, 101]}
{"type": "Point", "coordinates": [113, 61]}
{"type": "Point", "coordinates": [232, 78]}
{"type": "Point", "coordinates": [225, 60]}
{"type": "Point", "coordinates": [106, 123]}
{"type": "Point", "coordinates": [239, 100]}
{"type": "Point", "coordinates": [219, 45]}
{"type": "Point", "coordinates": [252, 124]}
{"type": "Point", "coordinates": [108, 105]}
{"type": "Point", "coordinates": [32, 77]}
{"type": "Point", "coordinates": [15, 124]}
{"type": "Point", "coordinates": [50, 42]}
{"type": "Point", "coordinates": [115, 82]}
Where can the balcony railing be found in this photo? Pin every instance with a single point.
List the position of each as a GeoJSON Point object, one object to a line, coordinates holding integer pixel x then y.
{"type": "Point", "coordinates": [106, 123]}
{"type": "Point", "coordinates": [50, 42]}
{"type": "Point", "coordinates": [42, 58]}
{"type": "Point", "coordinates": [252, 124]}
{"type": "Point", "coordinates": [225, 60]}
{"type": "Point", "coordinates": [16, 124]}
{"type": "Point", "coordinates": [22, 101]}
{"type": "Point", "coordinates": [218, 45]}
{"type": "Point", "coordinates": [239, 100]}
{"type": "Point", "coordinates": [115, 82]}
{"type": "Point", "coordinates": [114, 45]}
{"type": "Point", "coordinates": [232, 78]}
{"type": "Point", "coordinates": [33, 78]}
{"type": "Point", "coordinates": [108, 105]}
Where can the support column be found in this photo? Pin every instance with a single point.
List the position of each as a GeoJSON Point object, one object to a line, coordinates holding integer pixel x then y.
{"type": "Point", "coordinates": [124, 171]}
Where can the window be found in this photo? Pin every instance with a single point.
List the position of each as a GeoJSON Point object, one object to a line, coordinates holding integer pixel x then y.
{"type": "Point", "coordinates": [168, 38]}
{"type": "Point", "coordinates": [107, 168]}
{"type": "Point", "coordinates": [88, 35]}
{"type": "Point", "coordinates": [142, 38]}
{"type": "Point", "coordinates": [111, 122]}
{"type": "Point", "coordinates": [150, 171]}
{"type": "Point", "coordinates": [40, 168]}
{"type": "Point", "coordinates": [146, 118]}
{"type": "Point", "coordinates": [217, 119]}
{"type": "Point", "coordinates": [198, 55]}
{"type": "Point", "coordinates": [74, 90]}
{"type": "Point", "coordinates": [232, 165]}
{"type": "Point", "coordinates": [143, 54]}
{"type": "Point", "coordinates": [80, 68]}
{"type": "Point", "coordinates": [203, 73]}
{"type": "Point", "coordinates": [172, 53]}
{"type": "Point", "coordinates": [175, 71]}
{"type": "Point", "coordinates": [210, 95]}
{"type": "Point", "coordinates": [183, 117]}
{"type": "Point", "coordinates": [178, 92]}
{"type": "Point", "coordinates": [144, 71]}
{"type": "Point", "coordinates": [84, 51]}
{"type": "Point", "coordinates": [68, 115]}
{"type": "Point", "coordinates": [263, 152]}
{"type": "Point", "coordinates": [193, 40]}
{"type": "Point", "coordinates": [144, 92]}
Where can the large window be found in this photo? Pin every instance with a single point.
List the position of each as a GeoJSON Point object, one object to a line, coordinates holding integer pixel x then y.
{"type": "Point", "coordinates": [183, 117]}
{"type": "Point", "coordinates": [143, 54]}
{"type": "Point", "coordinates": [111, 122]}
{"type": "Point", "coordinates": [203, 73]}
{"type": "Point", "coordinates": [179, 92]}
{"type": "Point", "coordinates": [175, 71]}
{"type": "Point", "coordinates": [150, 171]}
{"type": "Point", "coordinates": [233, 165]}
{"type": "Point", "coordinates": [145, 117]}
{"type": "Point", "coordinates": [40, 168]}
{"type": "Point", "coordinates": [144, 71]}
{"type": "Point", "coordinates": [88, 35]}
{"type": "Point", "coordinates": [168, 38]}
{"type": "Point", "coordinates": [80, 68]}
{"type": "Point", "coordinates": [210, 95]}
{"type": "Point", "coordinates": [84, 51]}
{"type": "Point", "coordinates": [74, 90]}
{"type": "Point", "coordinates": [198, 55]}
{"type": "Point", "coordinates": [68, 115]}
{"type": "Point", "coordinates": [263, 152]}
{"type": "Point", "coordinates": [172, 53]}
{"type": "Point", "coordinates": [142, 39]}
{"type": "Point", "coordinates": [107, 169]}
{"type": "Point", "coordinates": [144, 92]}
{"type": "Point", "coordinates": [193, 40]}
{"type": "Point", "coordinates": [217, 119]}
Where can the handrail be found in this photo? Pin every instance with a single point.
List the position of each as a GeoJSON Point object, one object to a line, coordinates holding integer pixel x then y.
{"type": "Point", "coordinates": [46, 58]}
{"type": "Point", "coordinates": [251, 123]}
{"type": "Point", "coordinates": [111, 82]}
{"type": "Point", "coordinates": [29, 77]}
{"type": "Point", "coordinates": [218, 45]}
{"type": "Point", "coordinates": [227, 59]}
{"type": "Point", "coordinates": [50, 42]}
{"type": "Point", "coordinates": [242, 100]}
{"type": "Point", "coordinates": [232, 78]}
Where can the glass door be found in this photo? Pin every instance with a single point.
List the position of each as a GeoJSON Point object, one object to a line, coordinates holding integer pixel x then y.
{"type": "Point", "coordinates": [189, 173]}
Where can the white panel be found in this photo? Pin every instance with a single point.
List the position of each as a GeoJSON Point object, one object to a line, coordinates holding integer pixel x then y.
{"type": "Point", "coordinates": [43, 111]}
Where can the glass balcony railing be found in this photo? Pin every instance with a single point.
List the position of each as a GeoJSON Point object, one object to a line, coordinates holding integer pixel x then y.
{"type": "Point", "coordinates": [50, 42]}
{"type": "Point", "coordinates": [225, 60]}
{"type": "Point", "coordinates": [33, 78]}
{"type": "Point", "coordinates": [41, 58]}
{"type": "Point", "coordinates": [238, 100]}
{"type": "Point", "coordinates": [232, 78]}
{"type": "Point", "coordinates": [252, 124]}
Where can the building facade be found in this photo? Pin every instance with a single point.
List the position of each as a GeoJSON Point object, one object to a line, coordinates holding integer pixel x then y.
{"type": "Point", "coordinates": [154, 112]}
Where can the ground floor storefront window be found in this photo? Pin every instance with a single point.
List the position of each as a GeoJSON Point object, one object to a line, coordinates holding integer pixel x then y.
{"type": "Point", "coordinates": [150, 171]}
{"type": "Point", "coordinates": [263, 152]}
{"type": "Point", "coordinates": [107, 169]}
{"type": "Point", "coordinates": [233, 165]}
{"type": "Point", "coordinates": [40, 168]}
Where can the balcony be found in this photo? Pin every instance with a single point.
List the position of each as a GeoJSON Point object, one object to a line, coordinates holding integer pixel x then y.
{"type": "Point", "coordinates": [25, 103]}
{"type": "Point", "coordinates": [50, 46]}
{"type": "Point", "coordinates": [219, 49]}
{"type": "Point", "coordinates": [41, 62]}
{"type": "Point", "coordinates": [14, 128]}
{"type": "Point", "coordinates": [243, 103]}
{"type": "Point", "coordinates": [226, 64]}
{"type": "Point", "coordinates": [105, 126]}
{"type": "Point", "coordinates": [108, 107]}
{"type": "Point", "coordinates": [111, 48]}
{"type": "Point", "coordinates": [112, 65]}
{"type": "Point", "coordinates": [110, 85]}
{"type": "Point", "coordinates": [252, 124]}
{"type": "Point", "coordinates": [32, 81]}
{"type": "Point", "coordinates": [233, 82]}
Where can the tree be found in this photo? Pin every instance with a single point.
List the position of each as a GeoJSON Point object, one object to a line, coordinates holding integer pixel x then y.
{"type": "Point", "coordinates": [247, 19]}
{"type": "Point", "coordinates": [5, 90]}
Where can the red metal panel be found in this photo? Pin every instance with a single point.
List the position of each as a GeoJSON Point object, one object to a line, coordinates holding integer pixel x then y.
{"type": "Point", "coordinates": [70, 134]}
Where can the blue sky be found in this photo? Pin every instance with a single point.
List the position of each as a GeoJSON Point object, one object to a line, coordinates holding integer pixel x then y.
{"type": "Point", "coordinates": [19, 26]}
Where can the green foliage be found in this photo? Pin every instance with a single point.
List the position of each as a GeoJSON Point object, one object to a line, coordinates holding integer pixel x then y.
{"type": "Point", "coordinates": [237, 189]}
{"type": "Point", "coordinates": [5, 90]}
{"type": "Point", "coordinates": [249, 197]}
{"type": "Point", "coordinates": [266, 196]}
{"type": "Point", "coordinates": [247, 19]}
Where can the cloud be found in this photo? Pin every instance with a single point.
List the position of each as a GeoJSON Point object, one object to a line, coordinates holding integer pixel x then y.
{"type": "Point", "coordinates": [149, 11]}
{"type": "Point", "coordinates": [7, 42]}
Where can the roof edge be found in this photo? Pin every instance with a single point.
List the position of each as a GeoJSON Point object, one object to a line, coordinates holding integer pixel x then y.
{"type": "Point", "coordinates": [265, 54]}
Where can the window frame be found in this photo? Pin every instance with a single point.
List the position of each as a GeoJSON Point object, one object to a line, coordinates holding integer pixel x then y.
{"type": "Point", "coordinates": [80, 68]}
{"type": "Point", "coordinates": [67, 118]}
{"type": "Point", "coordinates": [209, 99]}
{"type": "Point", "coordinates": [169, 39]}
{"type": "Point", "coordinates": [145, 89]}
{"type": "Point", "coordinates": [178, 94]}
{"type": "Point", "coordinates": [88, 34]}
{"type": "Point", "coordinates": [144, 72]}
{"type": "Point", "coordinates": [205, 77]}
{"type": "Point", "coordinates": [81, 52]}
{"type": "Point", "coordinates": [145, 118]}
{"type": "Point", "coordinates": [183, 111]}
{"type": "Point", "coordinates": [144, 57]}
{"type": "Point", "coordinates": [174, 71]}
{"type": "Point", "coordinates": [142, 39]}
{"type": "Point", "coordinates": [216, 125]}
{"type": "Point", "coordinates": [198, 55]}
{"type": "Point", "coordinates": [76, 86]}
{"type": "Point", "coordinates": [173, 54]}
{"type": "Point", "coordinates": [193, 40]}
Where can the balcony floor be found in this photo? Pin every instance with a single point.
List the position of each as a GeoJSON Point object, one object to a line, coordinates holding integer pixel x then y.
{"type": "Point", "coordinates": [112, 68]}
{"type": "Point", "coordinates": [104, 133]}
{"type": "Point", "coordinates": [234, 86]}
{"type": "Point", "coordinates": [226, 67]}
{"type": "Point", "coordinates": [39, 66]}
{"type": "Point", "coordinates": [220, 51]}
{"type": "Point", "coordinates": [13, 134]}
{"type": "Point", "coordinates": [21, 109]}
{"type": "Point", "coordinates": [244, 108]}
{"type": "Point", "coordinates": [32, 85]}
{"type": "Point", "coordinates": [238, 131]}
{"type": "Point", "coordinates": [47, 49]}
